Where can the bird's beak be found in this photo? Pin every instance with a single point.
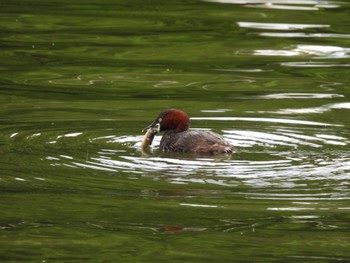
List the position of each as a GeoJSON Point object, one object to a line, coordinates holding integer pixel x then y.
{"type": "Point", "coordinates": [145, 129]}
{"type": "Point", "coordinates": [155, 126]}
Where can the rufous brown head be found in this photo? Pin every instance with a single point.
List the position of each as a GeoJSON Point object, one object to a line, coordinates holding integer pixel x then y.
{"type": "Point", "coordinates": [170, 119]}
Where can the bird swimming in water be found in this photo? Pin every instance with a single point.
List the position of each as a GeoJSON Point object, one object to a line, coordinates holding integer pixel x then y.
{"type": "Point", "coordinates": [179, 138]}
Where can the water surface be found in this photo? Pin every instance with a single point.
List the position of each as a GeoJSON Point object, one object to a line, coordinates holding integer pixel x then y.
{"type": "Point", "coordinates": [78, 83]}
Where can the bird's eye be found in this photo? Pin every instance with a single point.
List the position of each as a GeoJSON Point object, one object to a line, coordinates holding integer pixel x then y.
{"type": "Point", "coordinates": [159, 119]}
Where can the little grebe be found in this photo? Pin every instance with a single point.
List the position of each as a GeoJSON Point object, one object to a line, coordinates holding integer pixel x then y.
{"type": "Point", "coordinates": [179, 138]}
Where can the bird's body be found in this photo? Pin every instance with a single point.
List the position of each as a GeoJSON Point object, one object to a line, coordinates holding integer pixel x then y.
{"type": "Point", "coordinates": [179, 138]}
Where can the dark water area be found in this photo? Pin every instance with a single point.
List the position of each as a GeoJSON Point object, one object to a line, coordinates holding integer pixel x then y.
{"type": "Point", "coordinates": [80, 80]}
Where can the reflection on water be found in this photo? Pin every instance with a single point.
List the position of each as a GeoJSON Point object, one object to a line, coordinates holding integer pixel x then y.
{"type": "Point", "coordinates": [268, 120]}
{"type": "Point", "coordinates": [309, 5]}
{"type": "Point", "coordinates": [315, 64]}
{"type": "Point", "coordinates": [304, 35]}
{"type": "Point", "coordinates": [308, 50]}
{"type": "Point", "coordinates": [301, 96]}
{"type": "Point", "coordinates": [279, 26]}
{"type": "Point", "coordinates": [321, 109]}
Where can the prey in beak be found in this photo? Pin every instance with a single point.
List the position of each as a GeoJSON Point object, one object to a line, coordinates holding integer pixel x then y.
{"type": "Point", "coordinates": [151, 131]}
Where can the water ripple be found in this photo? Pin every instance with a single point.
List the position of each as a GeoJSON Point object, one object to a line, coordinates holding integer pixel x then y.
{"type": "Point", "coordinates": [279, 26]}
{"type": "Point", "coordinates": [268, 120]}
{"type": "Point", "coordinates": [316, 51]}
{"type": "Point", "coordinates": [284, 173]}
{"type": "Point", "coordinates": [284, 167]}
{"type": "Point", "coordinates": [308, 5]}
{"type": "Point", "coordinates": [280, 156]}
{"type": "Point", "coordinates": [313, 110]}
{"type": "Point", "coordinates": [303, 35]}
{"type": "Point", "coordinates": [300, 96]}
{"type": "Point", "coordinates": [315, 64]}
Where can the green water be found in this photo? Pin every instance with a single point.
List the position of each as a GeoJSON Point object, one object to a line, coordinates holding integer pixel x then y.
{"type": "Point", "coordinates": [79, 81]}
